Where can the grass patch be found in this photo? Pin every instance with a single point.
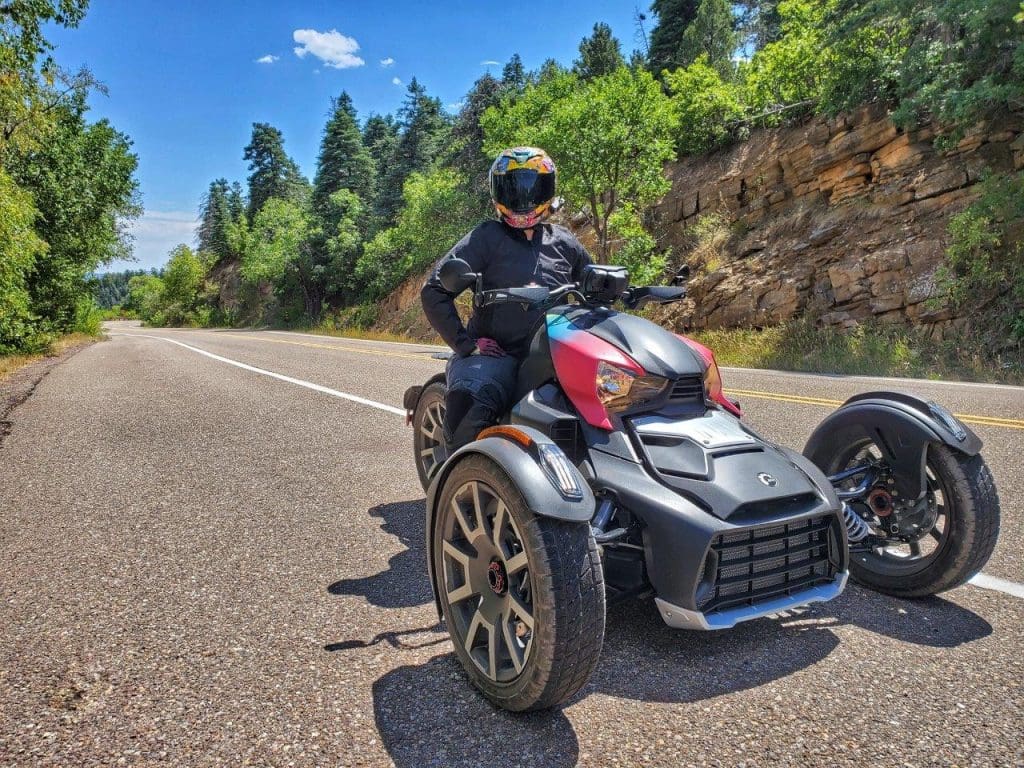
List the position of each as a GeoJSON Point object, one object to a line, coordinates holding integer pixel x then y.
{"type": "Point", "coordinates": [11, 363]}
{"type": "Point", "coordinates": [867, 350]}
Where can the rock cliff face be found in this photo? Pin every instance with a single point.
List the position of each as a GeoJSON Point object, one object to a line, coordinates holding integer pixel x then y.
{"type": "Point", "coordinates": [840, 219]}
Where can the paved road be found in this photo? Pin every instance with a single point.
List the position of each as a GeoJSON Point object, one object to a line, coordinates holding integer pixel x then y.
{"type": "Point", "coordinates": [205, 565]}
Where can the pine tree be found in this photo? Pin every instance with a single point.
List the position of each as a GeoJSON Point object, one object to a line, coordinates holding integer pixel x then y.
{"type": "Point", "coordinates": [274, 174]}
{"type": "Point", "coordinates": [600, 54]}
{"type": "Point", "coordinates": [344, 162]}
{"type": "Point", "coordinates": [711, 33]}
{"type": "Point", "coordinates": [673, 18]}
{"type": "Point", "coordinates": [467, 135]}
{"type": "Point", "coordinates": [549, 70]}
{"type": "Point", "coordinates": [513, 76]}
{"type": "Point", "coordinates": [214, 214]}
{"type": "Point", "coordinates": [423, 131]}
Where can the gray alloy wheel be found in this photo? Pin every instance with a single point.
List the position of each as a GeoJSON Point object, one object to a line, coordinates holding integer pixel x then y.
{"type": "Point", "coordinates": [522, 595]}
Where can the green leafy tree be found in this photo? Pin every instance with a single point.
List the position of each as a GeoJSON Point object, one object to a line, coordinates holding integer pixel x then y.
{"type": "Point", "coordinates": [794, 68]}
{"type": "Point", "coordinates": [424, 129]}
{"type": "Point", "coordinates": [20, 246]}
{"type": "Point", "coordinates": [609, 138]}
{"type": "Point", "coordinates": [183, 280]}
{"type": "Point", "coordinates": [674, 16]}
{"type": "Point", "coordinates": [600, 54]}
{"type": "Point", "coordinates": [145, 298]}
{"type": "Point", "coordinates": [711, 34]}
{"type": "Point", "coordinates": [433, 218]}
{"type": "Point", "coordinates": [273, 173]}
{"type": "Point", "coordinates": [706, 106]}
{"type": "Point", "coordinates": [82, 181]}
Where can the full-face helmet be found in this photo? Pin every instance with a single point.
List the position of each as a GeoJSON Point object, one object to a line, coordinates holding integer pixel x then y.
{"type": "Point", "coordinates": [522, 181]}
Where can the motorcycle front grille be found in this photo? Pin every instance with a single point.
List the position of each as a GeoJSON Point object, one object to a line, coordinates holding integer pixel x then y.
{"type": "Point", "coordinates": [758, 564]}
{"type": "Point", "coordinates": [687, 389]}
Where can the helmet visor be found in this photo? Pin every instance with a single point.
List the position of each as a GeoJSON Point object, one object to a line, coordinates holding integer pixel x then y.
{"type": "Point", "coordinates": [523, 189]}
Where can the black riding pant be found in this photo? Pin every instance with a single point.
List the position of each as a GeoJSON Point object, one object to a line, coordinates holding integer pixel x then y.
{"type": "Point", "coordinates": [480, 390]}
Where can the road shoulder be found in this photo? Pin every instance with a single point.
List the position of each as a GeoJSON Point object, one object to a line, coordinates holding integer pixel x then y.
{"type": "Point", "coordinates": [18, 387]}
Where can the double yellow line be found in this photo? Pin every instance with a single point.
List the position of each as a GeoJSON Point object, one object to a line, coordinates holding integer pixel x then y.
{"type": "Point", "coordinates": [362, 351]}
{"type": "Point", "coordinates": [967, 418]}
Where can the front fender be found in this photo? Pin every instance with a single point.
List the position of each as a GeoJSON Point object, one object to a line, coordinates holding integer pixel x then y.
{"type": "Point", "coordinates": [901, 425]}
{"type": "Point", "coordinates": [540, 495]}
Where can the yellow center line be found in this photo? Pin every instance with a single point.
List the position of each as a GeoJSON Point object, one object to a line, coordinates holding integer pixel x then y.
{"type": "Point", "coordinates": [379, 352]}
{"type": "Point", "coordinates": [967, 418]}
{"type": "Point", "coordinates": [987, 421]}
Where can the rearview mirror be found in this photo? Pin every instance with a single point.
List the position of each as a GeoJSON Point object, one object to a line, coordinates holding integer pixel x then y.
{"type": "Point", "coordinates": [456, 275]}
{"type": "Point", "coordinates": [653, 294]}
{"type": "Point", "coordinates": [682, 275]}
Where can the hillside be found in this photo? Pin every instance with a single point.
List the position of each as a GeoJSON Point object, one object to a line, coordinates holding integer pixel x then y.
{"type": "Point", "coordinates": [842, 220]}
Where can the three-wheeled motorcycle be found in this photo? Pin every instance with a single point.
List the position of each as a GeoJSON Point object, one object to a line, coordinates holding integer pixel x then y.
{"type": "Point", "coordinates": [623, 470]}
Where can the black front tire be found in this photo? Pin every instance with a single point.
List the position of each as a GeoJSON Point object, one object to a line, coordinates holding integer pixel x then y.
{"type": "Point", "coordinates": [429, 450]}
{"type": "Point", "coordinates": [559, 583]}
{"type": "Point", "coordinates": [971, 526]}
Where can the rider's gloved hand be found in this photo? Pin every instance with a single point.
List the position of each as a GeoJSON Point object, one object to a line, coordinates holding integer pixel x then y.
{"type": "Point", "coordinates": [489, 347]}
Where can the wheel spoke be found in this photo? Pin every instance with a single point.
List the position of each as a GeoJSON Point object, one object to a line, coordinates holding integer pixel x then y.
{"type": "Point", "coordinates": [915, 549]}
{"type": "Point", "coordinates": [475, 625]}
{"type": "Point", "coordinates": [510, 642]}
{"type": "Point", "coordinates": [499, 525]}
{"type": "Point", "coordinates": [478, 507]}
{"type": "Point", "coordinates": [460, 518]}
{"type": "Point", "coordinates": [520, 610]}
{"type": "Point", "coordinates": [516, 563]}
{"type": "Point", "coordinates": [935, 533]}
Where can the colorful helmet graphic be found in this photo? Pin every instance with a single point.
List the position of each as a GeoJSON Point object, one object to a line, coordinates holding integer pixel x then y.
{"type": "Point", "coordinates": [522, 183]}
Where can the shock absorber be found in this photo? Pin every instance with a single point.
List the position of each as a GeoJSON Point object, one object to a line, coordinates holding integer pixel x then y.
{"type": "Point", "coordinates": [856, 528]}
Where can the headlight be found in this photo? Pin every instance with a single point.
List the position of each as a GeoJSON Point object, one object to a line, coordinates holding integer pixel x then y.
{"type": "Point", "coordinates": [713, 382]}
{"type": "Point", "coordinates": [619, 389]}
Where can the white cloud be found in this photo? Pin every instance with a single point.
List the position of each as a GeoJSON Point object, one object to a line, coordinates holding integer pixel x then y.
{"type": "Point", "coordinates": [155, 233]}
{"type": "Point", "coordinates": [396, 81]}
{"type": "Point", "coordinates": [332, 48]}
{"type": "Point", "coordinates": [268, 59]}
{"type": "Point", "coordinates": [490, 63]}
{"type": "Point", "coordinates": [456, 106]}
{"type": "Point", "coordinates": [387, 62]}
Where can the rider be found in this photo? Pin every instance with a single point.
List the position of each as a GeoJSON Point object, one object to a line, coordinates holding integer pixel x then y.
{"type": "Point", "coordinates": [519, 250]}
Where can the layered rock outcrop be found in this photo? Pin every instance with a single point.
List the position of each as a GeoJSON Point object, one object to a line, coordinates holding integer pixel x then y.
{"type": "Point", "coordinates": [841, 219]}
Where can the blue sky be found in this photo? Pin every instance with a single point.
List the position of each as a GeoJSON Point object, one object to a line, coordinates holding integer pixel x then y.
{"type": "Point", "coordinates": [186, 79]}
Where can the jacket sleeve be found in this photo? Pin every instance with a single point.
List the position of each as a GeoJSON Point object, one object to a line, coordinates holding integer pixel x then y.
{"type": "Point", "coordinates": [582, 260]}
{"type": "Point", "coordinates": [439, 304]}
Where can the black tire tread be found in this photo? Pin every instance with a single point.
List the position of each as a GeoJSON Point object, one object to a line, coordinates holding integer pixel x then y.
{"type": "Point", "coordinates": [569, 586]}
{"type": "Point", "coordinates": [976, 521]}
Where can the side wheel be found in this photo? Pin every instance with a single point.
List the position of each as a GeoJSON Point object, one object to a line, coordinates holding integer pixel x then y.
{"type": "Point", "coordinates": [523, 596]}
{"type": "Point", "coordinates": [933, 546]}
{"type": "Point", "coordinates": [428, 436]}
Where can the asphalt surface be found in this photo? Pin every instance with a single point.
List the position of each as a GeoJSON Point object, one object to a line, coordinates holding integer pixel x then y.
{"type": "Point", "coordinates": [203, 565]}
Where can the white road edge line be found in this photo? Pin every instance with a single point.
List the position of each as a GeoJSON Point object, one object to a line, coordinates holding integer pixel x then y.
{"type": "Point", "coordinates": [996, 584]}
{"type": "Point", "coordinates": [279, 376]}
{"type": "Point", "coordinates": [982, 580]}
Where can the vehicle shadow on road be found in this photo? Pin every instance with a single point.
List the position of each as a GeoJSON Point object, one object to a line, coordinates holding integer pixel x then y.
{"type": "Point", "coordinates": [680, 666]}
{"type": "Point", "coordinates": [429, 715]}
{"type": "Point", "coordinates": [404, 584]}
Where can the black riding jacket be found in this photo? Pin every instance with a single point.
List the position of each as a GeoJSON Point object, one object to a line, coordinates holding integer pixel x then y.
{"type": "Point", "coordinates": [507, 259]}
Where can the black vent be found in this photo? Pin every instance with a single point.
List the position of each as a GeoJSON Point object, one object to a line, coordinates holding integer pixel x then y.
{"type": "Point", "coordinates": [565, 433]}
{"type": "Point", "coordinates": [688, 389]}
{"type": "Point", "coordinates": [759, 564]}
